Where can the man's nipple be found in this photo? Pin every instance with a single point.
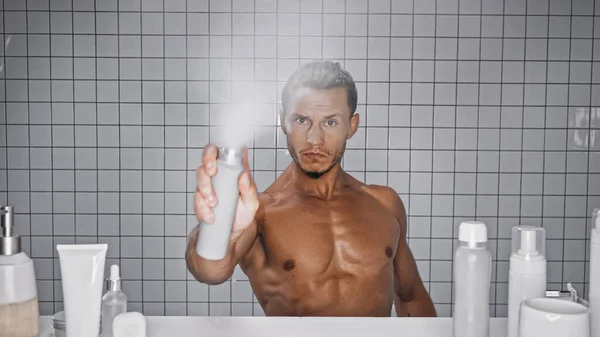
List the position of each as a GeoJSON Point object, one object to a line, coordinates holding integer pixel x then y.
{"type": "Point", "coordinates": [389, 251]}
{"type": "Point", "coordinates": [289, 265]}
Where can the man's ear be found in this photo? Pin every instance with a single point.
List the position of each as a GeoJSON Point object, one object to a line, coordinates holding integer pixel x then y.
{"type": "Point", "coordinates": [354, 121]}
{"type": "Point", "coordinates": [282, 121]}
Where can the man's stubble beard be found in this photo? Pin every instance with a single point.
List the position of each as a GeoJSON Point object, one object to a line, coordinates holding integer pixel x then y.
{"type": "Point", "coordinates": [317, 174]}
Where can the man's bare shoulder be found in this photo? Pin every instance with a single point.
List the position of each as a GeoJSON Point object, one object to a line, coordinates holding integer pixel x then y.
{"type": "Point", "coordinates": [265, 199]}
{"type": "Point", "coordinates": [388, 197]}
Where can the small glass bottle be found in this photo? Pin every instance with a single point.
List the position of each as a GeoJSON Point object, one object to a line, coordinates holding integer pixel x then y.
{"type": "Point", "coordinates": [114, 302]}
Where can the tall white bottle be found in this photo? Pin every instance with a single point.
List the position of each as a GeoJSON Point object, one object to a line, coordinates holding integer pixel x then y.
{"type": "Point", "coordinates": [594, 298]}
{"type": "Point", "coordinates": [472, 276]}
{"type": "Point", "coordinates": [213, 239]}
{"type": "Point", "coordinates": [527, 272]}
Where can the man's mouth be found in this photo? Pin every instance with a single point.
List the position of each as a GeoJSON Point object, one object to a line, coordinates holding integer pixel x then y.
{"type": "Point", "coordinates": [313, 153]}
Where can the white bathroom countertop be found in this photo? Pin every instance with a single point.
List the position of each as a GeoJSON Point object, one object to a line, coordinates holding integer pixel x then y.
{"type": "Point", "coordinates": [193, 326]}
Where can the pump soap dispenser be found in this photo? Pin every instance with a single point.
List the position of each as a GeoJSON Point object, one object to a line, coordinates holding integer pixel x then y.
{"type": "Point", "coordinates": [527, 271]}
{"type": "Point", "coordinates": [19, 313]}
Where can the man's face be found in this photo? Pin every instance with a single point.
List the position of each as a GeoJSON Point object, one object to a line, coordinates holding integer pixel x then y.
{"type": "Point", "coordinates": [317, 125]}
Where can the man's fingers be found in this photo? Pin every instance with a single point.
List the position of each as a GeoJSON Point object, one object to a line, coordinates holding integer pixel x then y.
{"type": "Point", "coordinates": [248, 192]}
{"type": "Point", "coordinates": [205, 188]}
{"type": "Point", "coordinates": [245, 161]}
{"type": "Point", "coordinates": [209, 159]}
{"type": "Point", "coordinates": [201, 209]}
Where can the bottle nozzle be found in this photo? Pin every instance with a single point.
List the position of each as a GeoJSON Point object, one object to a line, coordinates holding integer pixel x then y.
{"type": "Point", "coordinates": [7, 220]}
{"type": "Point", "coordinates": [113, 283]}
{"type": "Point", "coordinates": [528, 241]}
{"type": "Point", "coordinates": [114, 272]}
{"type": "Point", "coordinates": [10, 244]}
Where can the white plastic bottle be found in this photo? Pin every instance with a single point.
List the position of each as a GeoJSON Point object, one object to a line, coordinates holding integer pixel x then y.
{"type": "Point", "coordinates": [594, 297]}
{"type": "Point", "coordinates": [114, 302]}
{"type": "Point", "coordinates": [472, 273]}
{"type": "Point", "coordinates": [213, 239]}
{"type": "Point", "coordinates": [19, 313]}
{"type": "Point", "coordinates": [527, 272]}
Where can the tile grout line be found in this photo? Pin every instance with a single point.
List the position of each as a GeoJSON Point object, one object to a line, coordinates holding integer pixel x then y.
{"type": "Point", "coordinates": [97, 123]}
{"type": "Point", "coordinates": [452, 225]}
{"type": "Point", "coordinates": [566, 148]}
{"type": "Point", "coordinates": [366, 148]}
{"type": "Point", "coordinates": [592, 112]}
{"type": "Point", "coordinates": [164, 192]}
{"type": "Point", "coordinates": [410, 113]}
{"type": "Point", "coordinates": [187, 168]}
{"type": "Point", "coordinates": [434, 63]}
{"type": "Point", "coordinates": [75, 166]}
{"type": "Point", "coordinates": [499, 155]}
{"type": "Point", "coordinates": [120, 163]}
{"type": "Point", "coordinates": [5, 105]}
{"type": "Point", "coordinates": [522, 128]}
{"type": "Point", "coordinates": [477, 149]}
{"type": "Point", "coordinates": [389, 99]}
{"type": "Point", "coordinates": [545, 115]}
{"type": "Point", "coordinates": [28, 131]}
{"type": "Point", "coordinates": [54, 279]}
{"type": "Point", "coordinates": [143, 309]}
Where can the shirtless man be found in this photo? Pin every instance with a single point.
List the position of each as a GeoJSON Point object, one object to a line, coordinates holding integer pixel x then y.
{"type": "Point", "coordinates": [317, 242]}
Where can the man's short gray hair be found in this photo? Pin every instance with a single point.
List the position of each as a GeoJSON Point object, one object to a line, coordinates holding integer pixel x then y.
{"type": "Point", "coordinates": [320, 75]}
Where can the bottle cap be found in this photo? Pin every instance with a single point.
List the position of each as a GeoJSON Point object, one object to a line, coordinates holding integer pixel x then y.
{"type": "Point", "coordinates": [231, 155]}
{"type": "Point", "coordinates": [529, 241]}
{"type": "Point", "coordinates": [113, 283]}
{"type": "Point", "coordinates": [10, 244]}
{"type": "Point", "coordinates": [472, 232]}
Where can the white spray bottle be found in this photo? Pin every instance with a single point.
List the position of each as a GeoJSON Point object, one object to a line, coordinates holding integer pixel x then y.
{"type": "Point", "coordinates": [213, 239]}
{"type": "Point", "coordinates": [594, 292]}
{"type": "Point", "coordinates": [527, 272]}
{"type": "Point", "coordinates": [472, 276]}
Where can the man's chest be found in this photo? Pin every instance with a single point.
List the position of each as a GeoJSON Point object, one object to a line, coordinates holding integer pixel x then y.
{"type": "Point", "coordinates": [312, 236]}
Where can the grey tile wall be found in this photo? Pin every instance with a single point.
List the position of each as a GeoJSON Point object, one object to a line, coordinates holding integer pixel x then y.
{"type": "Point", "coordinates": [482, 109]}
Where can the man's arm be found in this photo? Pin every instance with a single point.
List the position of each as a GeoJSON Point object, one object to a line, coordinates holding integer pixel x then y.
{"type": "Point", "coordinates": [216, 272]}
{"type": "Point", "coordinates": [244, 229]}
{"type": "Point", "coordinates": [412, 299]}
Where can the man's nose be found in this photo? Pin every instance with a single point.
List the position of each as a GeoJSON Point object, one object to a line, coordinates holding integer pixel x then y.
{"type": "Point", "coordinates": [315, 135]}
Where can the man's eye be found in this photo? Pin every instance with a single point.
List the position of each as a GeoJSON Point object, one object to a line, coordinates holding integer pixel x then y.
{"type": "Point", "coordinates": [330, 123]}
{"type": "Point", "coordinates": [300, 120]}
